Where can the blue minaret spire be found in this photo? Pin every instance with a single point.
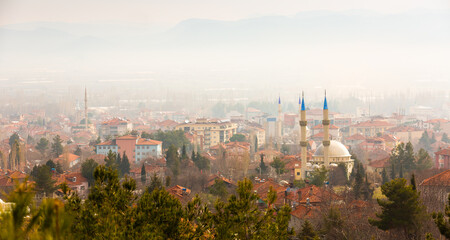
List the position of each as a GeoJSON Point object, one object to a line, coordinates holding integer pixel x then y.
{"type": "Point", "coordinates": [303, 102]}
{"type": "Point", "coordinates": [279, 99]}
{"type": "Point", "coordinates": [325, 105]}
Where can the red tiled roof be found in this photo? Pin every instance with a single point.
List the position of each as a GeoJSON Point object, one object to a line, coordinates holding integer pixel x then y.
{"type": "Point", "coordinates": [72, 179]}
{"type": "Point", "coordinates": [445, 151]}
{"type": "Point", "coordinates": [143, 141]}
{"type": "Point", "coordinates": [168, 123]}
{"type": "Point", "coordinates": [320, 126]}
{"type": "Point", "coordinates": [114, 121]}
{"type": "Point", "coordinates": [441, 179]}
{"type": "Point", "coordinates": [356, 136]}
{"type": "Point", "coordinates": [373, 124]}
{"type": "Point", "coordinates": [314, 193]}
{"type": "Point", "coordinates": [69, 157]}
{"type": "Point", "coordinates": [389, 138]}
{"type": "Point", "coordinates": [437, 121]}
{"type": "Point", "coordinates": [110, 142]}
{"type": "Point", "coordinates": [403, 129]}
{"type": "Point", "coordinates": [293, 164]}
{"type": "Point", "coordinates": [306, 212]}
{"type": "Point", "coordinates": [127, 137]}
{"type": "Point", "coordinates": [380, 163]}
{"type": "Point", "coordinates": [177, 192]}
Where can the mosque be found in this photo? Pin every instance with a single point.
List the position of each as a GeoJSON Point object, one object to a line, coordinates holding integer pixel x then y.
{"type": "Point", "coordinates": [329, 154]}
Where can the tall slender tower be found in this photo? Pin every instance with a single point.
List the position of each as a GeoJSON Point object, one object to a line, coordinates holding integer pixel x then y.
{"type": "Point", "coordinates": [85, 110]}
{"type": "Point", "coordinates": [326, 136]}
{"type": "Point", "coordinates": [279, 124]}
{"type": "Point", "coordinates": [303, 143]}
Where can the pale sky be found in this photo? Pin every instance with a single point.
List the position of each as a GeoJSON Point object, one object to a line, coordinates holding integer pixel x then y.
{"type": "Point", "coordinates": [170, 12]}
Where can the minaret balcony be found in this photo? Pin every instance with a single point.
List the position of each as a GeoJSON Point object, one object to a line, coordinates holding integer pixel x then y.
{"type": "Point", "coordinates": [325, 122]}
{"type": "Point", "coordinates": [303, 123]}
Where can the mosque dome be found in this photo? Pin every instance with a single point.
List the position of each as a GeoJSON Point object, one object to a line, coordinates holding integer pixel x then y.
{"type": "Point", "coordinates": [336, 149]}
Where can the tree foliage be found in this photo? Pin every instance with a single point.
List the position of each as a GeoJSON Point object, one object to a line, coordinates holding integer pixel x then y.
{"type": "Point", "coordinates": [143, 175]}
{"type": "Point", "coordinates": [307, 232]}
{"type": "Point", "coordinates": [442, 220]}
{"type": "Point", "coordinates": [238, 138]}
{"type": "Point", "coordinates": [57, 148]}
{"type": "Point", "coordinates": [319, 176]}
{"type": "Point", "coordinates": [402, 210]}
{"type": "Point", "coordinates": [173, 160]}
{"type": "Point", "coordinates": [278, 165]}
{"type": "Point", "coordinates": [42, 145]}
{"type": "Point", "coordinates": [87, 170]}
{"type": "Point", "coordinates": [219, 188]}
{"type": "Point", "coordinates": [175, 137]}
{"type": "Point", "coordinates": [42, 175]}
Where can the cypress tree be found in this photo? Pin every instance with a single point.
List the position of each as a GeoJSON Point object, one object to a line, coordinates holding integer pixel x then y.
{"type": "Point", "coordinates": [125, 164]}
{"type": "Point", "coordinates": [143, 175]}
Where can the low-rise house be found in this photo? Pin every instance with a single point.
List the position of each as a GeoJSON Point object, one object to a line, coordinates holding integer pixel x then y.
{"type": "Point", "coordinates": [442, 159]}
{"type": "Point", "coordinates": [69, 158]}
{"type": "Point", "coordinates": [75, 181]}
{"type": "Point", "coordinates": [434, 191]}
{"type": "Point", "coordinates": [180, 193]}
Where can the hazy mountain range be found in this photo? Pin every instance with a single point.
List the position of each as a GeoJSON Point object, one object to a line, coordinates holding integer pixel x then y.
{"type": "Point", "coordinates": [352, 44]}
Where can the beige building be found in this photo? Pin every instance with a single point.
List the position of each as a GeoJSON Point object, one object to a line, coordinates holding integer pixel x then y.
{"type": "Point", "coordinates": [212, 132]}
{"type": "Point", "coordinates": [369, 128]}
{"type": "Point", "coordinates": [406, 134]}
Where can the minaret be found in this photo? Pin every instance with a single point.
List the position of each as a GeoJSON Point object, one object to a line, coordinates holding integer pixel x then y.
{"type": "Point", "coordinates": [85, 110]}
{"type": "Point", "coordinates": [326, 136]}
{"type": "Point", "coordinates": [279, 124]}
{"type": "Point", "coordinates": [303, 143]}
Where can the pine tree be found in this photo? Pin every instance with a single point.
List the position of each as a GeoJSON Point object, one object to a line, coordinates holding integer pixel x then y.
{"type": "Point", "coordinates": [173, 161]}
{"type": "Point", "coordinates": [184, 155]}
{"type": "Point", "coordinates": [424, 141]}
{"type": "Point", "coordinates": [357, 185]}
{"type": "Point", "coordinates": [442, 220]}
{"type": "Point", "coordinates": [307, 232]}
{"type": "Point", "coordinates": [119, 163]}
{"type": "Point", "coordinates": [408, 161]}
{"type": "Point", "coordinates": [423, 160]}
{"type": "Point", "coordinates": [42, 145]}
{"type": "Point", "coordinates": [125, 164]}
{"type": "Point", "coordinates": [87, 170]}
{"type": "Point", "coordinates": [402, 210]}
{"type": "Point", "coordinates": [110, 160]}
{"type": "Point", "coordinates": [57, 147]}
{"type": "Point", "coordinates": [384, 176]}
{"type": "Point", "coordinates": [262, 165]}
{"type": "Point", "coordinates": [78, 151]}
{"type": "Point", "coordinates": [143, 175]}
{"type": "Point", "coordinates": [445, 138]}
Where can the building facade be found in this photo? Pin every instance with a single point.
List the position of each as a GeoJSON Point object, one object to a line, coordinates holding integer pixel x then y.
{"type": "Point", "coordinates": [114, 127]}
{"type": "Point", "coordinates": [212, 132]}
{"type": "Point", "coordinates": [136, 148]}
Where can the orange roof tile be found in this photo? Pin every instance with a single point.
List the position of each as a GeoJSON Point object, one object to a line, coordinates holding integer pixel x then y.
{"type": "Point", "coordinates": [143, 141]}
{"type": "Point", "coordinates": [69, 157]}
{"type": "Point", "coordinates": [441, 179]}
{"type": "Point", "coordinates": [373, 124]}
{"type": "Point", "coordinates": [445, 151]}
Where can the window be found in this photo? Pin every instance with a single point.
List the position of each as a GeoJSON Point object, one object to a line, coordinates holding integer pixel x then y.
{"type": "Point", "coordinates": [138, 153]}
{"type": "Point", "coordinates": [298, 173]}
{"type": "Point", "coordinates": [138, 147]}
